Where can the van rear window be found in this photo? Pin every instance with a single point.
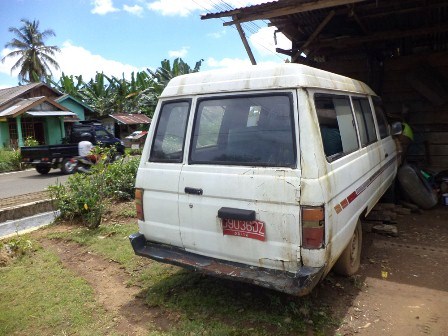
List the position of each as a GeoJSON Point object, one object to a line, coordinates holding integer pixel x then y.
{"type": "Point", "coordinates": [245, 130]}
{"type": "Point", "coordinates": [168, 142]}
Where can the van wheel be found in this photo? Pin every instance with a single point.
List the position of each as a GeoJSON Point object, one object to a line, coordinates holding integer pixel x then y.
{"type": "Point", "coordinates": [350, 259]}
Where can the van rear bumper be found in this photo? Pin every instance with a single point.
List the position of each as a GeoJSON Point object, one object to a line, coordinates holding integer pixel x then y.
{"type": "Point", "coordinates": [300, 283]}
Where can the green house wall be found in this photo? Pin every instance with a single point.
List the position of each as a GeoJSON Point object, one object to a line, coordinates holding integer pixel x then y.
{"type": "Point", "coordinates": [74, 107]}
{"type": "Point", "coordinates": [4, 134]}
{"type": "Point", "coordinates": [54, 130]}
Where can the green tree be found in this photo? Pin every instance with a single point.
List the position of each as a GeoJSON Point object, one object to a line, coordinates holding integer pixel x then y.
{"type": "Point", "coordinates": [71, 85]}
{"type": "Point", "coordinates": [97, 93]}
{"type": "Point", "coordinates": [35, 57]}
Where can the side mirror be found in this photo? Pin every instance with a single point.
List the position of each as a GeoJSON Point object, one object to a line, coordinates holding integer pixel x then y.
{"type": "Point", "coordinates": [397, 128]}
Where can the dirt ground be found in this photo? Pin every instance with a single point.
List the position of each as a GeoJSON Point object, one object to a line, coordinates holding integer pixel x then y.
{"type": "Point", "coordinates": [401, 288]}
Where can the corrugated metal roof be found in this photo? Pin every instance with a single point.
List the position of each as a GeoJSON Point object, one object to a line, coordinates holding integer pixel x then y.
{"type": "Point", "coordinates": [19, 106]}
{"type": "Point", "coordinates": [131, 119]}
{"type": "Point", "coordinates": [235, 11]}
{"type": "Point", "coordinates": [9, 94]}
{"type": "Point", "coordinates": [50, 113]}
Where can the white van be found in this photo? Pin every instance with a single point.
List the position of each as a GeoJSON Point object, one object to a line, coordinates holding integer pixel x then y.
{"type": "Point", "coordinates": [262, 175]}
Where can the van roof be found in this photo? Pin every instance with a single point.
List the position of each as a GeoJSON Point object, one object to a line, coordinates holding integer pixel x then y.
{"type": "Point", "coordinates": [261, 77]}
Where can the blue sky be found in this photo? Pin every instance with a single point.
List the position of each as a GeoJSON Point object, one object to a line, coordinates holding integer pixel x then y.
{"type": "Point", "coordinates": [121, 36]}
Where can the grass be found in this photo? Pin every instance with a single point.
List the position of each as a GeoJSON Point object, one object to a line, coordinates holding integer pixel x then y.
{"type": "Point", "coordinates": [204, 305]}
{"type": "Point", "coordinates": [195, 304]}
{"type": "Point", "coordinates": [39, 296]}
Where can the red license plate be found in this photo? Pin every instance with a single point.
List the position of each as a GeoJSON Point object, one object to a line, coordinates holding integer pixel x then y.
{"type": "Point", "coordinates": [248, 229]}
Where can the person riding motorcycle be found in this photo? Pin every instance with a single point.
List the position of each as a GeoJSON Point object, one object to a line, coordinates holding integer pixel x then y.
{"type": "Point", "coordinates": [86, 158]}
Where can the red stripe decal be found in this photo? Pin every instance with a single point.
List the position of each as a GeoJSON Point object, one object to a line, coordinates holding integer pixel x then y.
{"type": "Point", "coordinates": [352, 196]}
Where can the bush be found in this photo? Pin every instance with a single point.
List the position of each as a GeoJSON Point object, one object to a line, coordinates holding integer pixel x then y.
{"type": "Point", "coordinates": [10, 160]}
{"type": "Point", "coordinates": [85, 196]}
{"type": "Point", "coordinates": [31, 142]}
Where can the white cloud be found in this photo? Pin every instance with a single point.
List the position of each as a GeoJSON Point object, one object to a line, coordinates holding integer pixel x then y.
{"type": "Point", "coordinates": [218, 35]}
{"type": "Point", "coordinates": [175, 7]}
{"type": "Point", "coordinates": [8, 64]}
{"type": "Point", "coordinates": [103, 7]}
{"type": "Point", "coordinates": [134, 10]}
{"type": "Point", "coordinates": [75, 60]}
{"type": "Point", "coordinates": [178, 53]}
{"type": "Point", "coordinates": [263, 41]}
{"type": "Point", "coordinates": [227, 63]}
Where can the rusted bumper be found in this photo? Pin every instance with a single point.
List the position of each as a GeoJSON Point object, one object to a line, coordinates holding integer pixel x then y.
{"type": "Point", "coordinates": [300, 283]}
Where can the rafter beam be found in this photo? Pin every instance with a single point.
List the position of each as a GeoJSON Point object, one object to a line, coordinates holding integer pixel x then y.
{"type": "Point", "coordinates": [313, 35]}
{"type": "Point", "coordinates": [383, 36]}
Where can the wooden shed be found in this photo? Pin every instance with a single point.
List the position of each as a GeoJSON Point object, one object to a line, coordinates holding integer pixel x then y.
{"type": "Point", "coordinates": [398, 47]}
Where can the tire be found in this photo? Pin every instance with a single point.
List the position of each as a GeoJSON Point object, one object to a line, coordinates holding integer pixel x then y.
{"type": "Point", "coordinates": [350, 259]}
{"type": "Point", "coordinates": [67, 166]}
{"type": "Point", "coordinates": [116, 157]}
{"type": "Point", "coordinates": [43, 170]}
{"type": "Point", "coordinates": [416, 188]}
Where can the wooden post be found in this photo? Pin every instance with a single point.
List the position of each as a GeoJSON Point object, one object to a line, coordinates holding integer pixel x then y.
{"type": "Point", "coordinates": [246, 44]}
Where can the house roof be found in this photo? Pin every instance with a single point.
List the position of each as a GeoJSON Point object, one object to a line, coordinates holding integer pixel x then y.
{"type": "Point", "coordinates": [67, 96]}
{"type": "Point", "coordinates": [9, 94]}
{"type": "Point", "coordinates": [24, 105]}
{"type": "Point", "coordinates": [326, 28]}
{"type": "Point", "coordinates": [131, 119]}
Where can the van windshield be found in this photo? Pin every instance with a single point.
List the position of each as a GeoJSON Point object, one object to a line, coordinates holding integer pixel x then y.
{"type": "Point", "coordinates": [251, 130]}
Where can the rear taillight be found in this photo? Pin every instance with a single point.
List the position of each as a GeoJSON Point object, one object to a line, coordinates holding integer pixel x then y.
{"type": "Point", "coordinates": [313, 227]}
{"type": "Point", "coordinates": [139, 204]}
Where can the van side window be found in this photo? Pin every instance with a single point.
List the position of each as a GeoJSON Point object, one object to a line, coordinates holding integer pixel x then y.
{"type": "Point", "coordinates": [383, 125]}
{"type": "Point", "coordinates": [337, 125]}
{"type": "Point", "coordinates": [255, 130]}
{"type": "Point", "coordinates": [169, 137]}
{"type": "Point", "coordinates": [364, 117]}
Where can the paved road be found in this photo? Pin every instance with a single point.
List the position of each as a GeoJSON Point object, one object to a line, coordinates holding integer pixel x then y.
{"type": "Point", "coordinates": [28, 181]}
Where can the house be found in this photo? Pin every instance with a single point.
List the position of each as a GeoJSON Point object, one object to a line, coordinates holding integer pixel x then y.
{"type": "Point", "coordinates": [398, 47]}
{"type": "Point", "coordinates": [123, 124]}
{"type": "Point", "coordinates": [37, 111]}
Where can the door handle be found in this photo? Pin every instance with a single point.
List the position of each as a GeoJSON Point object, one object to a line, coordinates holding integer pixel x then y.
{"type": "Point", "coordinates": [193, 191]}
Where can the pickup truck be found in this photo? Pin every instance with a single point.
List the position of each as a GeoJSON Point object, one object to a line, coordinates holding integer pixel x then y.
{"type": "Point", "coordinates": [46, 157]}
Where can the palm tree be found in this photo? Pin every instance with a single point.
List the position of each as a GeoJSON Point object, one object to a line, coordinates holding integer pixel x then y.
{"type": "Point", "coordinates": [35, 57]}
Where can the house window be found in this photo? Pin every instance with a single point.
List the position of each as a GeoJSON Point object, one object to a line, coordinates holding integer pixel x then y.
{"type": "Point", "coordinates": [31, 127]}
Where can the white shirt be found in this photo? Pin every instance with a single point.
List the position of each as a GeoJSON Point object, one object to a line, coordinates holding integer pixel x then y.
{"type": "Point", "coordinates": [84, 148]}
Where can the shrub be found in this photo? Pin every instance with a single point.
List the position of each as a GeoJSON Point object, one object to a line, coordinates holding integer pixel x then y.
{"type": "Point", "coordinates": [85, 196]}
{"type": "Point", "coordinates": [10, 160]}
{"type": "Point", "coordinates": [31, 142]}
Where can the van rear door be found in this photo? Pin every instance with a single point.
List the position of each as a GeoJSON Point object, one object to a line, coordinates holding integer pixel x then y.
{"type": "Point", "coordinates": [239, 193]}
{"type": "Point", "coordinates": [159, 176]}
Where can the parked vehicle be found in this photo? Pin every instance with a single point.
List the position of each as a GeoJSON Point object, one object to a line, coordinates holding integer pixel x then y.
{"type": "Point", "coordinates": [263, 175]}
{"type": "Point", "coordinates": [46, 157]}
